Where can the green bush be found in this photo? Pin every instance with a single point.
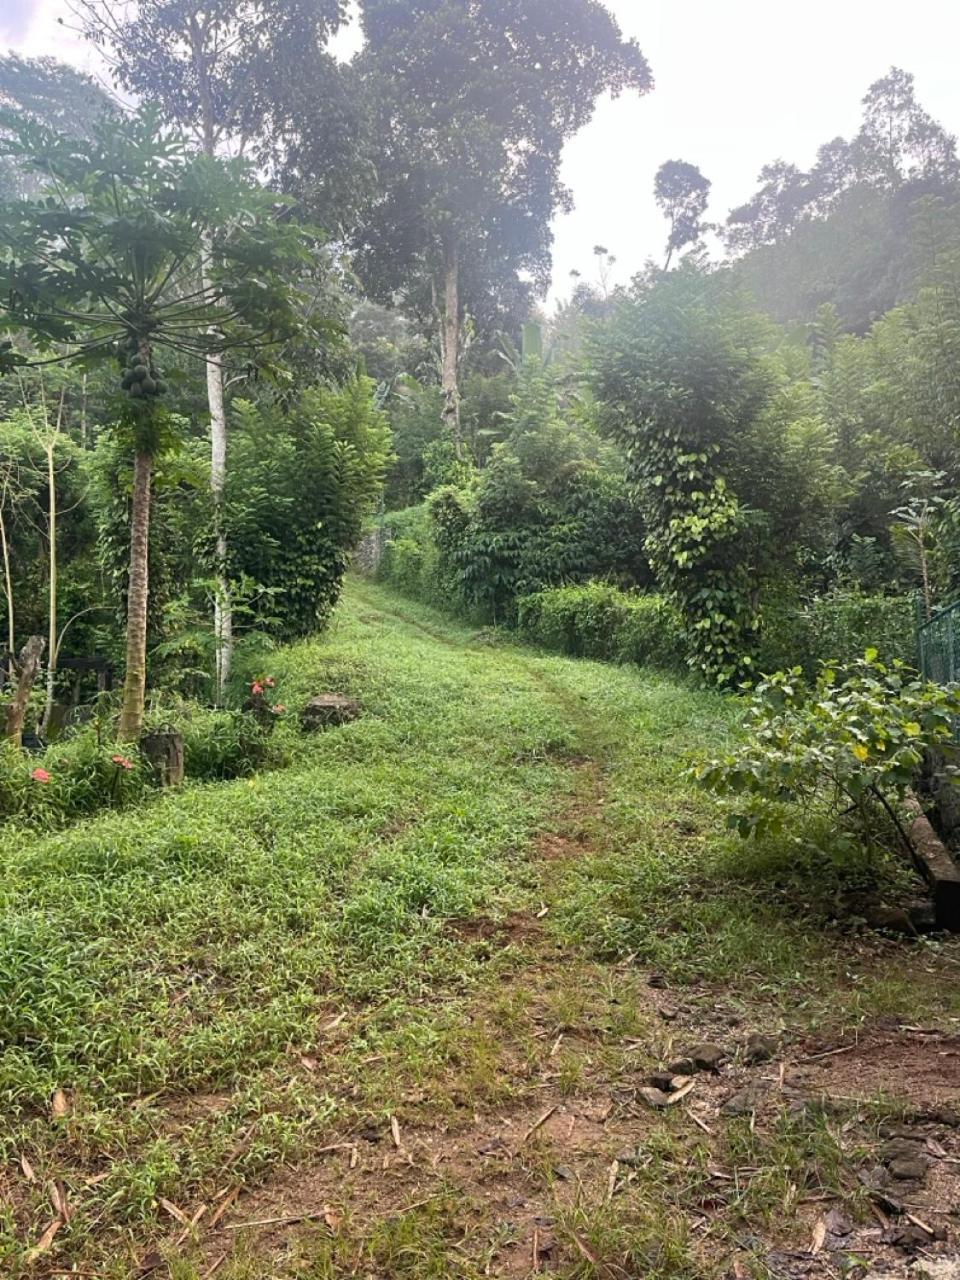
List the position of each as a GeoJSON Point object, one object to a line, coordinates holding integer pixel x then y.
{"type": "Point", "coordinates": [836, 628]}
{"type": "Point", "coordinates": [411, 560]}
{"type": "Point", "coordinates": [845, 623]}
{"type": "Point", "coordinates": [224, 744]}
{"type": "Point", "coordinates": [599, 621]}
{"type": "Point", "coordinates": [852, 742]}
{"type": "Point", "coordinates": [77, 776]}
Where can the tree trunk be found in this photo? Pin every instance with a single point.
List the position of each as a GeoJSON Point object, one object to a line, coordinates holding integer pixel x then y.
{"type": "Point", "coordinates": [8, 585]}
{"type": "Point", "coordinates": [450, 342]}
{"type": "Point", "coordinates": [17, 711]}
{"type": "Point", "coordinates": [138, 588]}
{"type": "Point", "coordinates": [222, 607]}
{"type": "Point", "coordinates": [52, 594]}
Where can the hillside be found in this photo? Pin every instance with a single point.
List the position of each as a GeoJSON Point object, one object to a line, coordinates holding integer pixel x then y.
{"type": "Point", "coordinates": [391, 1006]}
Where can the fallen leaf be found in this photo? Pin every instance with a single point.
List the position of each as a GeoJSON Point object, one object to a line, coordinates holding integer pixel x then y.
{"type": "Point", "coordinates": [332, 1026]}
{"type": "Point", "coordinates": [679, 1094]}
{"type": "Point", "coordinates": [174, 1212]}
{"type": "Point", "coordinates": [45, 1241]}
{"type": "Point", "coordinates": [59, 1106]}
{"type": "Point", "coordinates": [58, 1198]}
{"type": "Point", "coordinates": [395, 1130]}
{"type": "Point", "coordinates": [819, 1236]}
{"type": "Point", "coordinates": [332, 1218]}
{"type": "Point", "coordinates": [27, 1168]}
{"type": "Point", "coordinates": [150, 1262]}
{"type": "Point", "coordinates": [311, 1064]}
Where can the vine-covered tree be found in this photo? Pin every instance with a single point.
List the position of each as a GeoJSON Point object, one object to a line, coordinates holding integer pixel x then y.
{"type": "Point", "coordinates": [104, 267]}
{"type": "Point", "coordinates": [472, 102]}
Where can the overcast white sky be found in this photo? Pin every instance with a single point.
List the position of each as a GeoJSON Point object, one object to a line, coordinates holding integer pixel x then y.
{"type": "Point", "coordinates": [737, 84]}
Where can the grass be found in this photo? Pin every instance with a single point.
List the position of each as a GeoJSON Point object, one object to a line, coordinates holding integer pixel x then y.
{"type": "Point", "coordinates": [219, 981]}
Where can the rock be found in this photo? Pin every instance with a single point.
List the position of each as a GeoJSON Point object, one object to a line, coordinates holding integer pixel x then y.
{"type": "Point", "coordinates": [662, 1080]}
{"type": "Point", "coordinates": [654, 1097]}
{"type": "Point", "coordinates": [923, 916]}
{"type": "Point", "coordinates": [906, 1170]}
{"type": "Point", "coordinates": [759, 1049]}
{"type": "Point", "coordinates": [708, 1057]}
{"type": "Point", "coordinates": [564, 1172]}
{"type": "Point", "coordinates": [668, 1014]}
{"type": "Point", "coordinates": [891, 920]}
{"type": "Point", "coordinates": [630, 1156]}
{"type": "Point", "coordinates": [657, 981]}
{"type": "Point", "coordinates": [901, 1147]}
{"type": "Point", "coordinates": [744, 1102]}
{"type": "Point", "coordinates": [327, 710]}
{"type": "Point", "coordinates": [837, 1223]}
{"type": "Point", "coordinates": [907, 1236]}
{"type": "Point", "coordinates": [682, 1067]}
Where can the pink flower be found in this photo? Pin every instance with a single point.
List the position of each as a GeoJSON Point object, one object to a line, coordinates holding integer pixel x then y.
{"type": "Point", "coordinates": [40, 775]}
{"type": "Point", "coordinates": [256, 688]}
{"type": "Point", "coordinates": [123, 762]}
{"type": "Point", "coordinates": [279, 709]}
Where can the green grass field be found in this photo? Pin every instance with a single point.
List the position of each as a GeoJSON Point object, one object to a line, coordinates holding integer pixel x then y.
{"type": "Point", "coordinates": [198, 996]}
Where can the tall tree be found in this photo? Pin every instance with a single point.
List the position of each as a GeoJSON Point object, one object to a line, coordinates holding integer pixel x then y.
{"type": "Point", "coordinates": [472, 101]}
{"type": "Point", "coordinates": [681, 192]}
{"type": "Point", "coordinates": [223, 71]}
{"type": "Point", "coordinates": [898, 140]}
{"type": "Point", "coordinates": [104, 267]}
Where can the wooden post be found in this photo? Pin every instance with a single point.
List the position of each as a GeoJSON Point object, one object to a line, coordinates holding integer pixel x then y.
{"type": "Point", "coordinates": [164, 750]}
{"type": "Point", "coordinates": [28, 666]}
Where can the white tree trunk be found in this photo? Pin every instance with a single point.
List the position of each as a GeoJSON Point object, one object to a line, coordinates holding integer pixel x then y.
{"type": "Point", "coordinates": [222, 608]}
{"type": "Point", "coordinates": [52, 654]}
{"type": "Point", "coordinates": [450, 343]}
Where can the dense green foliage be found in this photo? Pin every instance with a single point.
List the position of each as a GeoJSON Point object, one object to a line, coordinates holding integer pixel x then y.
{"type": "Point", "coordinates": [303, 480]}
{"type": "Point", "coordinates": [856, 739]}
{"type": "Point", "coordinates": [598, 621]}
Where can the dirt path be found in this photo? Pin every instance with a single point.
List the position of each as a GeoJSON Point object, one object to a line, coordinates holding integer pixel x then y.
{"type": "Point", "coordinates": [792, 1155]}
{"type": "Point", "coordinates": [621, 1053]}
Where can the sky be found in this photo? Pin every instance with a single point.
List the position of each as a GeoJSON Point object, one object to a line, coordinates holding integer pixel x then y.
{"type": "Point", "coordinates": [737, 85]}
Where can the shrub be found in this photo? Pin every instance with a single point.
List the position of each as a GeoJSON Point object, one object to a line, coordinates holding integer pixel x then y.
{"type": "Point", "coordinates": [844, 623]}
{"type": "Point", "coordinates": [223, 744]}
{"type": "Point", "coordinates": [834, 628]}
{"type": "Point", "coordinates": [411, 560]}
{"type": "Point", "coordinates": [853, 741]}
{"type": "Point", "coordinates": [599, 621]}
{"type": "Point", "coordinates": [75, 777]}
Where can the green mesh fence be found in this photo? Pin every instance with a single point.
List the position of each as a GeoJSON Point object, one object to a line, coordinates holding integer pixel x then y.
{"type": "Point", "coordinates": [939, 645]}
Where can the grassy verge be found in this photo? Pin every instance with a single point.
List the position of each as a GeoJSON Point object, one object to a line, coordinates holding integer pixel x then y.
{"type": "Point", "coordinates": [399, 924]}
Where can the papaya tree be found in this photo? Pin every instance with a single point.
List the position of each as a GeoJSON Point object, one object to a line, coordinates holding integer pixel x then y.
{"type": "Point", "coordinates": [227, 73]}
{"type": "Point", "coordinates": [105, 266]}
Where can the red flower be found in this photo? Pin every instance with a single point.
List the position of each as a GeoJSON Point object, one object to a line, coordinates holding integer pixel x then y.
{"type": "Point", "coordinates": [40, 775]}
{"type": "Point", "coordinates": [123, 762]}
{"type": "Point", "coordinates": [256, 688]}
